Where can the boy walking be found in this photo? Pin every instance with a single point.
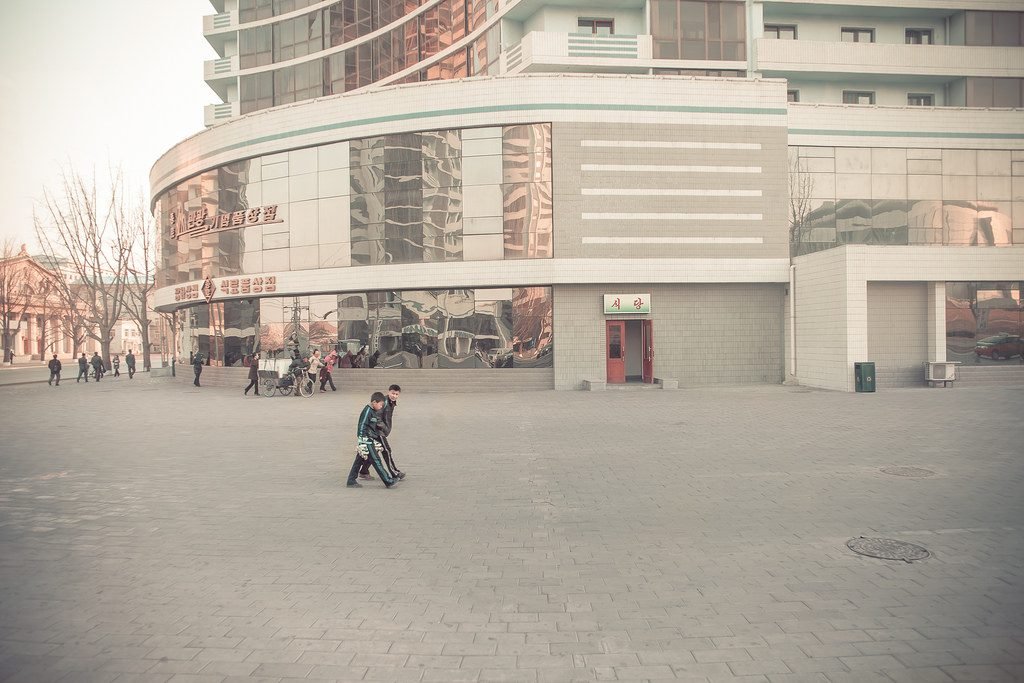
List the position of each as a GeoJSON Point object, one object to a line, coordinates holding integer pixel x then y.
{"type": "Point", "coordinates": [368, 445]}
{"type": "Point", "coordinates": [54, 366]}
{"type": "Point", "coordinates": [83, 369]}
{"type": "Point", "coordinates": [97, 365]}
{"type": "Point", "coordinates": [387, 414]}
{"type": "Point", "coordinates": [129, 360]}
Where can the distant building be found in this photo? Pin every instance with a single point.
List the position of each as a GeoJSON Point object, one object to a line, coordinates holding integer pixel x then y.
{"type": "Point", "coordinates": [717, 192]}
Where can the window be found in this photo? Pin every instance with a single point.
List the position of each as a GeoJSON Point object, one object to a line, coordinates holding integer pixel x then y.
{"type": "Point", "coordinates": [995, 92]}
{"type": "Point", "coordinates": [691, 29]}
{"type": "Point", "coordinates": [920, 36]}
{"type": "Point", "coordinates": [858, 97]}
{"type": "Point", "coordinates": [792, 95]}
{"type": "Point", "coordinates": [597, 27]}
{"type": "Point", "coordinates": [1004, 29]}
{"type": "Point", "coordinates": [858, 35]}
{"type": "Point", "coordinates": [716, 73]}
{"type": "Point", "coordinates": [780, 31]}
{"type": "Point", "coordinates": [915, 99]}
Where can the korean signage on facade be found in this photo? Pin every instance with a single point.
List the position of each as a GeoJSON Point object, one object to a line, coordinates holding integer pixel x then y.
{"type": "Point", "coordinates": [627, 303]}
{"type": "Point", "coordinates": [227, 286]}
{"type": "Point", "coordinates": [199, 222]}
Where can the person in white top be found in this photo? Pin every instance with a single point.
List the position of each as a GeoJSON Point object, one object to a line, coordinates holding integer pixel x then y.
{"type": "Point", "coordinates": [315, 363]}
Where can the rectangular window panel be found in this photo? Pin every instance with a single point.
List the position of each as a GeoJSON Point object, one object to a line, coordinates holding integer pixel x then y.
{"type": "Point", "coordinates": [857, 35]}
{"type": "Point", "coordinates": [919, 36]}
{"type": "Point", "coordinates": [858, 97]}
{"type": "Point", "coordinates": [780, 31]}
{"type": "Point", "coordinates": [920, 99]}
{"type": "Point", "coordinates": [792, 95]}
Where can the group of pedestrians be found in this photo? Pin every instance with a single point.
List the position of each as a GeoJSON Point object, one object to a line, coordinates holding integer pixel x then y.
{"type": "Point", "coordinates": [95, 364]}
{"type": "Point", "coordinates": [372, 446]}
{"type": "Point", "coordinates": [316, 368]}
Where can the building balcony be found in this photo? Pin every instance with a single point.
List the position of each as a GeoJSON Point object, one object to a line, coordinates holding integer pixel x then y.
{"type": "Point", "coordinates": [219, 74]}
{"type": "Point", "coordinates": [219, 29]}
{"type": "Point", "coordinates": [543, 51]}
{"type": "Point", "coordinates": [809, 57]}
{"type": "Point", "coordinates": [218, 113]}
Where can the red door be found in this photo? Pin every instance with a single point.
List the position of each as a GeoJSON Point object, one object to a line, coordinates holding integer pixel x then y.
{"type": "Point", "coordinates": [616, 351]}
{"type": "Point", "coordinates": [648, 335]}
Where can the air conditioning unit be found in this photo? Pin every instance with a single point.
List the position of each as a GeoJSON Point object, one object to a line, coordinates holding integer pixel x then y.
{"type": "Point", "coordinates": [941, 371]}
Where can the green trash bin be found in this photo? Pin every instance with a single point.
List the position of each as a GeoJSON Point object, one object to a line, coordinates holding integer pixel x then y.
{"type": "Point", "coordinates": [864, 376]}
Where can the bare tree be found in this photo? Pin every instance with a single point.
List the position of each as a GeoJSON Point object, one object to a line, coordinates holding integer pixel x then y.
{"type": "Point", "coordinates": [140, 274]}
{"type": "Point", "coordinates": [15, 293]}
{"type": "Point", "coordinates": [801, 186]}
{"type": "Point", "coordinates": [91, 236]}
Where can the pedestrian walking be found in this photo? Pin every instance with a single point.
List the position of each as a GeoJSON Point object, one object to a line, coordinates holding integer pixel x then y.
{"type": "Point", "coordinates": [197, 367]}
{"type": "Point", "coordinates": [54, 366]}
{"type": "Point", "coordinates": [327, 371]}
{"type": "Point", "coordinates": [83, 369]}
{"type": "Point", "coordinates": [97, 365]}
{"type": "Point", "coordinates": [254, 374]}
{"type": "Point", "coordinates": [387, 415]}
{"type": "Point", "coordinates": [129, 361]}
{"type": "Point", "coordinates": [368, 445]}
{"type": "Point", "coordinates": [117, 365]}
{"type": "Point", "coordinates": [359, 360]}
{"type": "Point", "coordinates": [346, 360]}
{"type": "Point", "coordinates": [315, 363]}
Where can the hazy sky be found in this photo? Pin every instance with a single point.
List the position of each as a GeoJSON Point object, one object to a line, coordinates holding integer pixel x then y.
{"type": "Point", "coordinates": [94, 83]}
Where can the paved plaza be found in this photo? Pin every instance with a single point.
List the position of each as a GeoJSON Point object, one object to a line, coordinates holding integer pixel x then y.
{"type": "Point", "coordinates": [151, 531]}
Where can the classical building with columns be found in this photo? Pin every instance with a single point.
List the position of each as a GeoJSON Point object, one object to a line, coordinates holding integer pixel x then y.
{"type": "Point", "coordinates": [590, 193]}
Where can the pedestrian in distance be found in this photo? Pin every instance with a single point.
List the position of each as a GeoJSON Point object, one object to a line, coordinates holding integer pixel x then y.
{"type": "Point", "coordinates": [83, 369]}
{"type": "Point", "coordinates": [129, 361]}
{"type": "Point", "coordinates": [368, 446]}
{"type": "Point", "coordinates": [387, 415]}
{"type": "Point", "coordinates": [254, 374]}
{"type": "Point", "coordinates": [359, 360]}
{"type": "Point", "coordinates": [54, 366]}
{"type": "Point", "coordinates": [327, 371]}
{"type": "Point", "coordinates": [315, 363]}
{"type": "Point", "coordinates": [197, 367]}
{"type": "Point", "coordinates": [97, 365]}
{"type": "Point", "coordinates": [117, 365]}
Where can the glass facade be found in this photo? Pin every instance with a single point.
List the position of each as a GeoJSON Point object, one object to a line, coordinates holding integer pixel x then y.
{"type": "Point", "coordinates": [387, 199]}
{"type": "Point", "coordinates": [699, 29]}
{"type": "Point", "coordinates": [444, 328]}
{"type": "Point", "coordinates": [900, 196]}
{"type": "Point", "coordinates": [985, 322]}
{"type": "Point", "coordinates": [405, 45]}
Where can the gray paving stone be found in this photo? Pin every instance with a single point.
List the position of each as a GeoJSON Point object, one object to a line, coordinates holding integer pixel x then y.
{"type": "Point", "coordinates": [198, 540]}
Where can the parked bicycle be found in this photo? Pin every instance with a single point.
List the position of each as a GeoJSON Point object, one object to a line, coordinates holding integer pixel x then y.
{"type": "Point", "coordinates": [295, 380]}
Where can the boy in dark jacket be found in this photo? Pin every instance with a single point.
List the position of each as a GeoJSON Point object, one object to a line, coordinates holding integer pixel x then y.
{"type": "Point", "coordinates": [368, 445]}
{"type": "Point", "coordinates": [83, 369]}
{"type": "Point", "coordinates": [254, 374]}
{"type": "Point", "coordinates": [387, 414]}
{"type": "Point", "coordinates": [97, 365]}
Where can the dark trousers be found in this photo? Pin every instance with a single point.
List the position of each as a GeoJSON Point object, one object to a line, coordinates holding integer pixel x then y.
{"type": "Point", "coordinates": [198, 370]}
{"type": "Point", "coordinates": [389, 460]}
{"type": "Point", "coordinates": [131, 371]}
{"type": "Point", "coordinates": [117, 371]}
{"type": "Point", "coordinates": [83, 372]}
{"type": "Point", "coordinates": [253, 383]}
{"type": "Point", "coordinates": [325, 377]}
{"type": "Point", "coordinates": [98, 374]}
{"type": "Point", "coordinates": [374, 460]}
{"type": "Point", "coordinates": [54, 374]}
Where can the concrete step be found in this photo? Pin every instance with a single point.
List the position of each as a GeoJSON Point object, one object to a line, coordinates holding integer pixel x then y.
{"type": "Point", "coordinates": [419, 381]}
{"type": "Point", "coordinates": [986, 375]}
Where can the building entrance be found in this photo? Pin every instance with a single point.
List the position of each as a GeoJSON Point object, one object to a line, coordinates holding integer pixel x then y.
{"type": "Point", "coordinates": [629, 351]}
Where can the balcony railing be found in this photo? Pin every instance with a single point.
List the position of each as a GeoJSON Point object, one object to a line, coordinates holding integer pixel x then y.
{"type": "Point", "coordinates": [216, 69]}
{"type": "Point", "coordinates": [224, 21]}
{"type": "Point", "coordinates": [217, 113]}
{"type": "Point", "coordinates": [811, 56]}
{"type": "Point", "coordinates": [544, 51]}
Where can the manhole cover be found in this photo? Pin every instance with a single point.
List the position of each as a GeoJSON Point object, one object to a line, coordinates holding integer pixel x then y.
{"type": "Point", "coordinates": [887, 549]}
{"type": "Point", "coordinates": [908, 471]}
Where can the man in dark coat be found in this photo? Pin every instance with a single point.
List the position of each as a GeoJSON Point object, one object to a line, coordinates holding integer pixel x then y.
{"type": "Point", "coordinates": [129, 360]}
{"type": "Point", "coordinates": [97, 365]}
{"type": "Point", "coordinates": [54, 366]}
{"type": "Point", "coordinates": [83, 369]}
{"type": "Point", "coordinates": [197, 367]}
{"type": "Point", "coordinates": [254, 374]}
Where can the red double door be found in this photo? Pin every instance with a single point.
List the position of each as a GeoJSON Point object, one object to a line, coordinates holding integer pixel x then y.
{"type": "Point", "coordinates": [629, 344]}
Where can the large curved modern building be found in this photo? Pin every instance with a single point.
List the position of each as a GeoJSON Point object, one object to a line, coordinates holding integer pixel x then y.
{"type": "Point", "coordinates": [701, 192]}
